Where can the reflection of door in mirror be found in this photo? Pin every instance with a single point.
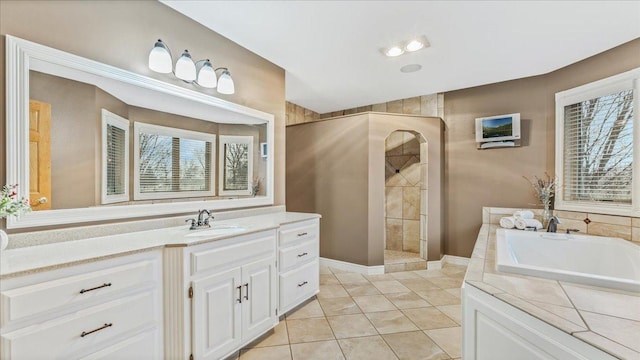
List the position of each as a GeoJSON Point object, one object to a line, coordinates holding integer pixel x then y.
{"type": "Point", "coordinates": [39, 155]}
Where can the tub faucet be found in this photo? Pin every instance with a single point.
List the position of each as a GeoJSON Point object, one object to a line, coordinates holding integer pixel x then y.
{"type": "Point", "coordinates": [553, 224]}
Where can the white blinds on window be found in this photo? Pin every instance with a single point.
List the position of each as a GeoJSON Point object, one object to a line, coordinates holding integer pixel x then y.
{"type": "Point", "coordinates": [598, 149]}
{"type": "Point", "coordinates": [116, 160]}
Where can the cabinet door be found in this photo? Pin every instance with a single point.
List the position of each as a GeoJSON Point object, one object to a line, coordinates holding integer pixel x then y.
{"type": "Point", "coordinates": [216, 315]}
{"type": "Point", "coordinates": [258, 298]}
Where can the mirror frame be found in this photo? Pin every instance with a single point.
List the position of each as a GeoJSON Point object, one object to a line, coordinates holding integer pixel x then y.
{"type": "Point", "coordinates": [19, 54]}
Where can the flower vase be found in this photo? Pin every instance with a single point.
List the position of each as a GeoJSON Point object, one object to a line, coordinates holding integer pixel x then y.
{"type": "Point", "coordinates": [4, 240]}
{"type": "Point", "coordinates": [546, 215]}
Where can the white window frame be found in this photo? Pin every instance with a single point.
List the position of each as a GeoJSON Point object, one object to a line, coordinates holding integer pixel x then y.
{"type": "Point", "coordinates": [614, 84]}
{"type": "Point", "coordinates": [139, 127]}
{"type": "Point", "coordinates": [109, 118]}
{"type": "Point", "coordinates": [235, 139]}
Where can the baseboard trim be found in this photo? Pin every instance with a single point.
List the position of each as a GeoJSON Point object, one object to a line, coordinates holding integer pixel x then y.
{"type": "Point", "coordinates": [347, 266]}
{"type": "Point", "coordinates": [447, 259]}
{"type": "Point", "coordinates": [455, 260]}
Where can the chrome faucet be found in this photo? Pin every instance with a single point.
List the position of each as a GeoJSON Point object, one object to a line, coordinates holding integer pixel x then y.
{"type": "Point", "coordinates": [202, 220]}
{"type": "Point", "coordinates": [553, 224]}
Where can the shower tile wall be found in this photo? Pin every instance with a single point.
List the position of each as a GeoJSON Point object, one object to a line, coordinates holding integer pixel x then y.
{"type": "Point", "coordinates": [403, 175]}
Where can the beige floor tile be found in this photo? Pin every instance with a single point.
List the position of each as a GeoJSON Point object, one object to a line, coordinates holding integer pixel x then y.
{"type": "Point", "coordinates": [279, 336]}
{"type": "Point", "coordinates": [405, 275]}
{"type": "Point", "coordinates": [419, 284]}
{"type": "Point", "coordinates": [390, 286]}
{"type": "Point", "coordinates": [339, 306]}
{"type": "Point", "coordinates": [408, 300]}
{"type": "Point", "coordinates": [414, 346]}
{"type": "Point", "coordinates": [447, 282]}
{"type": "Point", "coordinates": [430, 273]}
{"type": "Point", "coordinates": [366, 348]}
{"type": "Point", "coordinates": [452, 311]}
{"type": "Point", "coordinates": [455, 292]}
{"type": "Point", "coordinates": [338, 271]}
{"type": "Point", "coordinates": [311, 309]}
{"type": "Point", "coordinates": [429, 318]}
{"type": "Point", "coordinates": [373, 303]}
{"type": "Point", "coordinates": [331, 291]}
{"type": "Point", "coordinates": [325, 270]}
{"type": "Point", "coordinates": [361, 290]}
{"type": "Point", "coordinates": [305, 330]}
{"type": "Point", "coordinates": [380, 277]}
{"type": "Point", "coordinates": [351, 278]}
{"type": "Point", "coordinates": [448, 339]}
{"type": "Point", "coordinates": [328, 279]}
{"type": "Point", "coordinates": [438, 297]}
{"type": "Point", "coordinates": [321, 350]}
{"type": "Point", "coordinates": [387, 322]}
{"type": "Point", "coordinates": [348, 326]}
{"type": "Point", "coordinates": [267, 353]}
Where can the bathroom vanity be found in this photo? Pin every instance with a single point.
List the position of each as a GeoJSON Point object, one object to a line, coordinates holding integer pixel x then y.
{"type": "Point", "coordinates": [166, 293]}
{"type": "Point", "coordinates": [537, 318]}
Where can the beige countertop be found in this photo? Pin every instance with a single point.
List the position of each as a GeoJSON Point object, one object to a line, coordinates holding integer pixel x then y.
{"type": "Point", "coordinates": [43, 257]}
{"type": "Point", "coordinates": [605, 318]}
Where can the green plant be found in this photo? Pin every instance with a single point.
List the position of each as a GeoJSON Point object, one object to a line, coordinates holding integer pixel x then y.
{"type": "Point", "coordinates": [10, 204]}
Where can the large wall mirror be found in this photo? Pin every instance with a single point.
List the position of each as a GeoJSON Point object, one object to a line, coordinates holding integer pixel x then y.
{"type": "Point", "coordinates": [94, 142]}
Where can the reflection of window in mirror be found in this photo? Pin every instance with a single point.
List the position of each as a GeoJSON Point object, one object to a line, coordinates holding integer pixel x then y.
{"type": "Point", "coordinates": [115, 158]}
{"type": "Point", "coordinates": [172, 163]}
{"type": "Point", "coordinates": [236, 162]}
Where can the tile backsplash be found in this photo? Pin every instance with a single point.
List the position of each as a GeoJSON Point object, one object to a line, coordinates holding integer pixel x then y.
{"type": "Point", "coordinates": [623, 227]}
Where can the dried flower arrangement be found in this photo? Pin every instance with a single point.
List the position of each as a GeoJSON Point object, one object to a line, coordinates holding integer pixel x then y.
{"type": "Point", "coordinates": [10, 204]}
{"type": "Point", "coordinates": [544, 188]}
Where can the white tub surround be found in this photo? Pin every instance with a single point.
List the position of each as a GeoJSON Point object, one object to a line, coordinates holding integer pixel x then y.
{"type": "Point", "coordinates": [569, 257]}
{"type": "Point", "coordinates": [164, 293]}
{"type": "Point", "coordinates": [536, 318]}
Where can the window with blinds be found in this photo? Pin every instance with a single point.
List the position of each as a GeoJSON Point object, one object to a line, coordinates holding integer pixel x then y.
{"type": "Point", "coordinates": [596, 163]}
{"type": "Point", "coordinates": [115, 158]}
{"type": "Point", "coordinates": [172, 163]}
{"type": "Point", "coordinates": [236, 162]}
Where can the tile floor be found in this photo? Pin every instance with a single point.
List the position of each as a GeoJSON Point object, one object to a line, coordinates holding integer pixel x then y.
{"type": "Point", "coordinates": [400, 315]}
{"type": "Point", "coordinates": [396, 261]}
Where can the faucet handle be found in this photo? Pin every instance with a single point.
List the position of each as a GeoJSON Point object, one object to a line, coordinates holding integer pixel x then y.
{"type": "Point", "coordinates": [193, 223]}
{"type": "Point", "coordinates": [569, 231]}
{"type": "Point", "coordinates": [209, 217]}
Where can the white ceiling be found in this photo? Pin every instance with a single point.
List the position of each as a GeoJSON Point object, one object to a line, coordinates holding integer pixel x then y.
{"type": "Point", "coordinates": [330, 49]}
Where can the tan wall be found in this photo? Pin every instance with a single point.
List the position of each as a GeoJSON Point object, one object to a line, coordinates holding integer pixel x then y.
{"type": "Point", "coordinates": [477, 178]}
{"type": "Point", "coordinates": [121, 33]}
{"type": "Point", "coordinates": [336, 168]}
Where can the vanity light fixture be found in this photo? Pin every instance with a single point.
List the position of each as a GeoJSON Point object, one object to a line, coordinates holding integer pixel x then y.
{"type": "Point", "coordinates": [201, 73]}
{"type": "Point", "coordinates": [408, 46]}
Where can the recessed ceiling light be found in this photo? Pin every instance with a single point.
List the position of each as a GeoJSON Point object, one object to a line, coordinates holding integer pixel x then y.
{"type": "Point", "coordinates": [394, 51]}
{"type": "Point", "coordinates": [411, 68]}
{"type": "Point", "coordinates": [414, 45]}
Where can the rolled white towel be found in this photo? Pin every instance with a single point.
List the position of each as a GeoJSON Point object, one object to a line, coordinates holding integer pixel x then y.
{"type": "Point", "coordinates": [508, 222]}
{"type": "Point", "coordinates": [525, 223]}
{"type": "Point", "coordinates": [523, 214]}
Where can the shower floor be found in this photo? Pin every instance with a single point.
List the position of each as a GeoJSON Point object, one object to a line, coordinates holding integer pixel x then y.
{"type": "Point", "coordinates": [396, 261]}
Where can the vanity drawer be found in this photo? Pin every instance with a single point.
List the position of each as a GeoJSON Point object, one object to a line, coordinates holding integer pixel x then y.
{"type": "Point", "coordinates": [303, 231]}
{"type": "Point", "coordinates": [52, 295]}
{"type": "Point", "coordinates": [83, 331]}
{"type": "Point", "coordinates": [227, 254]}
{"type": "Point", "coordinates": [142, 346]}
{"type": "Point", "coordinates": [299, 284]}
{"type": "Point", "coordinates": [297, 255]}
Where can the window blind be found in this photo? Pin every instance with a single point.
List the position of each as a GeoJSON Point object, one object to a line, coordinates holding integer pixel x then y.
{"type": "Point", "coordinates": [174, 164]}
{"type": "Point", "coordinates": [116, 160]}
{"type": "Point", "coordinates": [598, 149]}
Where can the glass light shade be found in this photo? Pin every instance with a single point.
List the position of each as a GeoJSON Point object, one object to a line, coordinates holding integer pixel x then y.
{"type": "Point", "coordinates": [414, 45]}
{"type": "Point", "coordinates": [225, 83]}
{"type": "Point", "coordinates": [185, 68]}
{"type": "Point", "coordinates": [160, 58]}
{"type": "Point", "coordinates": [394, 51]}
{"type": "Point", "coordinates": [207, 76]}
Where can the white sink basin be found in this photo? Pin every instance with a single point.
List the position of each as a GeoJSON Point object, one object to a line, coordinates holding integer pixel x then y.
{"type": "Point", "coordinates": [216, 231]}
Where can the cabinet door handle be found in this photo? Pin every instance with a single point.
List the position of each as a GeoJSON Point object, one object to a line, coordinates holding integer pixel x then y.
{"type": "Point", "coordinates": [302, 284]}
{"type": "Point", "coordinates": [95, 288]}
{"type": "Point", "coordinates": [239, 299]}
{"type": "Point", "coordinates": [303, 254]}
{"type": "Point", "coordinates": [246, 296]}
{"type": "Point", "coordinates": [302, 234]}
{"type": "Point", "coordinates": [85, 333]}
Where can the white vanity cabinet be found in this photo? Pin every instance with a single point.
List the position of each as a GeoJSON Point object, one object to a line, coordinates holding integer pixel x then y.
{"type": "Point", "coordinates": [298, 256]}
{"type": "Point", "coordinates": [224, 295]}
{"type": "Point", "coordinates": [100, 310]}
